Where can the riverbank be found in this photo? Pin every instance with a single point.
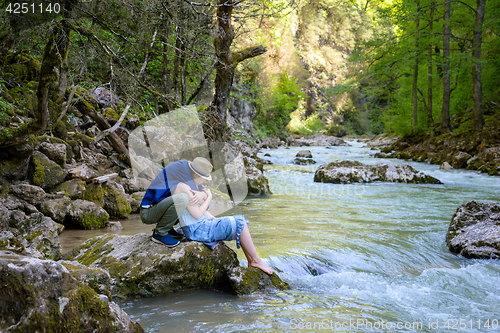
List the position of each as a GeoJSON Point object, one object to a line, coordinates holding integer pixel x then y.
{"type": "Point", "coordinates": [467, 150]}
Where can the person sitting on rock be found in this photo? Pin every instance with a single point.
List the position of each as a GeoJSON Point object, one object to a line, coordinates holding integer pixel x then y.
{"type": "Point", "coordinates": [162, 207]}
{"type": "Point", "coordinates": [199, 225]}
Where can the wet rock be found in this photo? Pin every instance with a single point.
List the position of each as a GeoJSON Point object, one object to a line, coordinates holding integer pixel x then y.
{"type": "Point", "coordinates": [258, 185]}
{"type": "Point", "coordinates": [248, 280]}
{"type": "Point", "coordinates": [43, 172]}
{"type": "Point", "coordinates": [319, 139]}
{"type": "Point", "coordinates": [140, 267]}
{"type": "Point", "coordinates": [445, 166]}
{"type": "Point", "coordinates": [113, 226]}
{"type": "Point", "coordinates": [32, 194]}
{"type": "Point", "coordinates": [115, 202]}
{"type": "Point", "coordinates": [304, 154]}
{"type": "Point", "coordinates": [43, 296]}
{"type": "Point", "coordinates": [474, 230]}
{"type": "Point", "coordinates": [304, 161]}
{"type": "Point", "coordinates": [56, 209]}
{"type": "Point", "coordinates": [87, 215]}
{"type": "Point", "coordinates": [55, 152]}
{"type": "Point", "coordinates": [346, 172]}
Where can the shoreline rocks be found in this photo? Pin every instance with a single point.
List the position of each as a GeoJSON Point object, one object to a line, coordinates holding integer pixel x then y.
{"type": "Point", "coordinates": [140, 267]}
{"type": "Point", "coordinates": [319, 139]}
{"type": "Point", "coordinates": [474, 230]}
{"type": "Point", "coordinates": [43, 296]}
{"type": "Point", "coordinates": [346, 172]}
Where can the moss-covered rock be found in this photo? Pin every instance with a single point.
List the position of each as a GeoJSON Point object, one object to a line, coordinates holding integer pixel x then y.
{"type": "Point", "coordinates": [258, 185]}
{"type": "Point", "coordinates": [55, 152]}
{"type": "Point", "coordinates": [86, 215]}
{"type": "Point", "coordinates": [74, 189]}
{"type": "Point", "coordinates": [42, 296]}
{"type": "Point", "coordinates": [23, 67]}
{"type": "Point", "coordinates": [346, 172]}
{"type": "Point", "coordinates": [95, 193]}
{"type": "Point", "coordinates": [43, 172]}
{"type": "Point", "coordinates": [115, 201]}
{"type": "Point", "coordinates": [140, 267]}
{"type": "Point", "coordinates": [248, 280]}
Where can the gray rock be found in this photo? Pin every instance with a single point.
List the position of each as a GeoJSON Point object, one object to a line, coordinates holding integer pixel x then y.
{"type": "Point", "coordinates": [474, 230]}
{"type": "Point", "coordinates": [56, 209]}
{"type": "Point", "coordinates": [86, 214]}
{"type": "Point", "coordinates": [104, 97]}
{"type": "Point", "coordinates": [40, 236]}
{"type": "Point", "coordinates": [14, 203]}
{"type": "Point", "coordinates": [83, 172]}
{"type": "Point", "coordinates": [32, 194]}
{"type": "Point", "coordinates": [43, 172]}
{"type": "Point", "coordinates": [140, 267]}
{"type": "Point", "coordinates": [54, 151]}
{"type": "Point", "coordinates": [460, 159]}
{"type": "Point", "coordinates": [346, 172]}
{"type": "Point", "coordinates": [14, 169]}
{"type": "Point", "coordinates": [44, 297]}
{"type": "Point", "coordinates": [135, 200]}
{"type": "Point", "coordinates": [73, 188]}
{"type": "Point", "coordinates": [445, 166]}
{"type": "Point", "coordinates": [243, 112]}
{"type": "Point", "coordinates": [304, 154]}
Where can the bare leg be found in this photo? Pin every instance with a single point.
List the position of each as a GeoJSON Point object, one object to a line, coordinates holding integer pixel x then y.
{"type": "Point", "coordinates": [251, 253]}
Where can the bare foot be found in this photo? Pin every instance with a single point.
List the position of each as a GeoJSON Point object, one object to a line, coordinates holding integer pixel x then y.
{"type": "Point", "coordinates": [262, 266]}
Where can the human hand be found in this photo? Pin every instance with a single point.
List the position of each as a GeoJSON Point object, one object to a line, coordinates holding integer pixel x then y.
{"type": "Point", "coordinates": [208, 193]}
{"type": "Point", "coordinates": [197, 198]}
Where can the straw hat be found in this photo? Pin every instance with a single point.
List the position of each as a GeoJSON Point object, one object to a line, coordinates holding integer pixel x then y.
{"type": "Point", "coordinates": [202, 167]}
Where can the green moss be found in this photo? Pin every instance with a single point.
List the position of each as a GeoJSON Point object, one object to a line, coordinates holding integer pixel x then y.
{"type": "Point", "coordinates": [73, 189]}
{"type": "Point", "coordinates": [39, 172]}
{"type": "Point", "coordinates": [32, 236]}
{"type": "Point", "coordinates": [94, 249]}
{"type": "Point", "coordinates": [85, 139]}
{"type": "Point", "coordinates": [95, 193]}
{"type": "Point", "coordinates": [116, 204]}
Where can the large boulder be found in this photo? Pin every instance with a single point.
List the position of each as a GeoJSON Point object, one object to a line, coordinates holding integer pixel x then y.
{"type": "Point", "coordinates": [42, 296]}
{"type": "Point", "coordinates": [73, 188]}
{"type": "Point", "coordinates": [140, 267]}
{"type": "Point", "coordinates": [346, 172]}
{"type": "Point", "coordinates": [32, 194]}
{"type": "Point", "coordinates": [43, 172]}
{"type": "Point", "coordinates": [474, 231]}
{"type": "Point", "coordinates": [86, 214]}
{"type": "Point", "coordinates": [14, 203]}
{"type": "Point", "coordinates": [459, 160]}
{"type": "Point", "coordinates": [31, 234]}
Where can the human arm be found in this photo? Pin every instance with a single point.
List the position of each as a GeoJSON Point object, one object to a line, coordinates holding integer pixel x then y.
{"type": "Point", "coordinates": [194, 209]}
{"type": "Point", "coordinates": [198, 197]}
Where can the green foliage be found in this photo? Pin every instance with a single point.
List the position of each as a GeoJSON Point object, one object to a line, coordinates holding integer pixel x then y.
{"type": "Point", "coordinates": [282, 101]}
{"type": "Point", "coordinates": [310, 125]}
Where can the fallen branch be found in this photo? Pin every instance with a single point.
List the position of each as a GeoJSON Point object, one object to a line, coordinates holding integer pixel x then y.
{"type": "Point", "coordinates": [115, 126]}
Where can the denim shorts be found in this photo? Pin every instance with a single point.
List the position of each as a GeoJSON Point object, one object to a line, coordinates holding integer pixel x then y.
{"type": "Point", "coordinates": [222, 228]}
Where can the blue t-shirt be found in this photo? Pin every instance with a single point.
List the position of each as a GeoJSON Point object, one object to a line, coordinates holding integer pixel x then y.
{"type": "Point", "coordinates": [166, 182]}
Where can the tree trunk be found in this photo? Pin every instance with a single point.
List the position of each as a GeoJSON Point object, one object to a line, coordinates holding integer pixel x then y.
{"type": "Point", "coordinates": [430, 120]}
{"type": "Point", "coordinates": [54, 54]}
{"type": "Point", "coordinates": [476, 69]}
{"type": "Point", "coordinates": [445, 113]}
{"type": "Point", "coordinates": [215, 117]}
{"type": "Point", "coordinates": [415, 72]}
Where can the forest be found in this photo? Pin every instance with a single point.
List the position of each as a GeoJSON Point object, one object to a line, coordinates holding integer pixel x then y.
{"type": "Point", "coordinates": [339, 67]}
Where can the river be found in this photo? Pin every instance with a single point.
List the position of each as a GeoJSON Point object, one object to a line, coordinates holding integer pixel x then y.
{"type": "Point", "coordinates": [359, 258]}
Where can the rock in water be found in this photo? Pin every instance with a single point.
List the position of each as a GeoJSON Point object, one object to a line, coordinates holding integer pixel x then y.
{"type": "Point", "coordinates": [140, 267]}
{"type": "Point", "coordinates": [446, 166]}
{"type": "Point", "coordinates": [346, 172]}
{"type": "Point", "coordinates": [474, 230]}
{"type": "Point", "coordinates": [41, 296]}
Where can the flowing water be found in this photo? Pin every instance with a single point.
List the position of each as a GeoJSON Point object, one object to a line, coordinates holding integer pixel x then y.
{"type": "Point", "coordinates": [359, 258]}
